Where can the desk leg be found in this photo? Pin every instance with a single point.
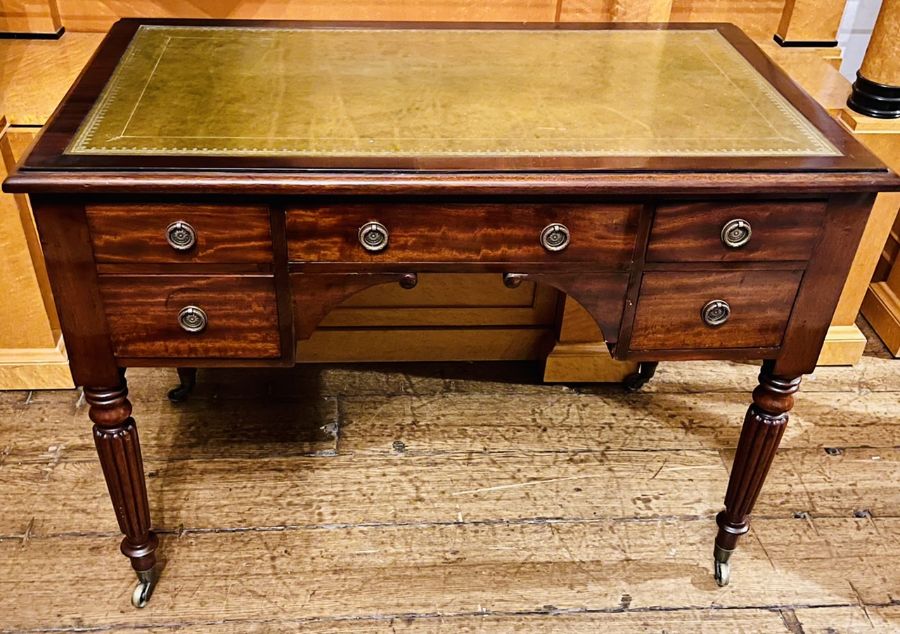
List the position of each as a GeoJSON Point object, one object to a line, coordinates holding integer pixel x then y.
{"type": "Point", "coordinates": [763, 427]}
{"type": "Point", "coordinates": [117, 443]}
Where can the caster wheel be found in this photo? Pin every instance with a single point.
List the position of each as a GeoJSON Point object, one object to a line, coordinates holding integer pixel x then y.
{"type": "Point", "coordinates": [634, 382]}
{"type": "Point", "coordinates": [646, 371]}
{"type": "Point", "coordinates": [179, 394]}
{"type": "Point", "coordinates": [723, 573]}
{"type": "Point", "coordinates": [144, 589]}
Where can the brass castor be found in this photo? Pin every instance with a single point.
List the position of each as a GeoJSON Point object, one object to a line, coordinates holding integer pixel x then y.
{"type": "Point", "coordinates": [144, 589]}
{"type": "Point", "coordinates": [188, 379]}
{"type": "Point", "coordinates": [637, 380]}
{"type": "Point", "coordinates": [723, 568]}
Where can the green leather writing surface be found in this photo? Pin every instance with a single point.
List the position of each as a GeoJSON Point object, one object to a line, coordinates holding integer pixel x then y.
{"type": "Point", "coordinates": [244, 91]}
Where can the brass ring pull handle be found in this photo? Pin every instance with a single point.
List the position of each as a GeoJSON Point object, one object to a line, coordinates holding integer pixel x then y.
{"type": "Point", "coordinates": [736, 233]}
{"type": "Point", "coordinates": [715, 313]}
{"type": "Point", "coordinates": [192, 319]}
{"type": "Point", "coordinates": [373, 236]}
{"type": "Point", "coordinates": [181, 236]}
{"type": "Point", "coordinates": [555, 237]}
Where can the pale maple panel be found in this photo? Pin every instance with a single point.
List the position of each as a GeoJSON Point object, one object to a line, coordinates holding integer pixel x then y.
{"type": "Point", "coordinates": [758, 18]}
{"type": "Point", "coordinates": [882, 61]}
{"type": "Point", "coordinates": [35, 74]}
{"type": "Point", "coordinates": [24, 322]}
{"type": "Point", "coordinates": [29, 16]}
{"type": "Point", "coordinates": [616, 10]}
{"type": "Point", "coordinates": [811, 20]}
{"type": "Point", "coordinates": [98, 15]}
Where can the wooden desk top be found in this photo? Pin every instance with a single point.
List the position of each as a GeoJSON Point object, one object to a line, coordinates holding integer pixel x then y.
{"type": "Point", "coordinates": [575, 107]}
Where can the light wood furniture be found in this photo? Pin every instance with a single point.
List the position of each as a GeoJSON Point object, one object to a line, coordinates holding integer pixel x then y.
{"type": "Point", "coordinates": [810, 23]}
{"type": "Point", "coordinates": [877, 93]}
{"type": "Point", "coordinates": [32, 351]}
{"type": "Point", "coordinates": [760, 18]}
{"type": "Point", "coordinates": [36, 75]}
{"type": "Point", "coordinates": [30, 18]}
{"type": "Point", "coordinates": [186, 236]}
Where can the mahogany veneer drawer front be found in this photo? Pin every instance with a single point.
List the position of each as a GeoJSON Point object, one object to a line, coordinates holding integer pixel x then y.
{"type": "Point", "coordinates": [679, 310]}
{"type": "Point", "coordinates": [172, 233]}
{"type": "Point", "coordinates": [192, 316]}
{"type": "Point", "coordinates": [410, 232]}
{"type": "Point", "coordinates": [722, 231]}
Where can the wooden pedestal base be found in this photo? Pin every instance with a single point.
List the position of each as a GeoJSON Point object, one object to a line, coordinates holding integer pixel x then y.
{"type": "Point", "coordinates": [585, 363]}
{"type": "Point", "coordinates": [882, 309]}
{"type": "Point", "coordinates": [35, 369]}
{"type": "Point", "coordinates": [844, 345]}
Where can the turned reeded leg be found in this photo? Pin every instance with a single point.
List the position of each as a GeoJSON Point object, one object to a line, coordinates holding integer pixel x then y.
{"type": "Point", "coordinates": [763, 427]}
{"type": "Point", "coordinates": [187, 379]}
{"type": "Point", "coordinates": [120, 456]}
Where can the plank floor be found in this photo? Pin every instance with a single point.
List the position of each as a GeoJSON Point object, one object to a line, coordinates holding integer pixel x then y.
{"type": "Point", "coordinates": [461, 498]}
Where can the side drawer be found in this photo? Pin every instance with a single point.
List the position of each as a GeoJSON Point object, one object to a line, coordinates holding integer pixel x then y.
{"type": "Point", "coordinates": [491, 232]}
{"type": "Point", "coordinates": [671, 304]}
{"type": "Point", "coordinates": [703, 232]}
{"type": "Point", "coordinates": [143, 313]}
{"type": "Point", "coordinates": [172, 233]}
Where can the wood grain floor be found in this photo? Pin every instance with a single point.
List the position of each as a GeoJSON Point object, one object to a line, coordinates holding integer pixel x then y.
{"type": "Point", "coordinates": [460, 498]}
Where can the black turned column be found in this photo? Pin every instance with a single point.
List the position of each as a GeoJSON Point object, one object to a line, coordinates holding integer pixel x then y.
{"type": "Point", "coordinates": [763, 427]}
{"type": "Point", "coordinates": [116, 438]}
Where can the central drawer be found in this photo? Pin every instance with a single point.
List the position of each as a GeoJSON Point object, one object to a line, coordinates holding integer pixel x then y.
{"type": "Point", "coordinates": [495, 232]}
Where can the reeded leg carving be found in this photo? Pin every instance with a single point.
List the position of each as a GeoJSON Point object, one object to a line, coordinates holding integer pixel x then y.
{"type": "Point", "coordinates": [764, 425]}
{"type": "Point", "coordinates": [187, 379]}
{"type": "Point", "coordinates": [117, 443]}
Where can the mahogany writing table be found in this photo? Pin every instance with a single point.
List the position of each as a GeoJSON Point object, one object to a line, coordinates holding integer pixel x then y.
{"type": "Point", "coordinates": [209, 190]}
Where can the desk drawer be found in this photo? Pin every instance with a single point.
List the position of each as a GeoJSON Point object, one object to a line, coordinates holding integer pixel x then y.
{"type": "Point", "coordinates": [671, 307]}
{"type": "Point", "coordinates": [601, 234]}
{"type": "Point", "coordinates": [172, 233]}
{"type": "Point", "coordinates": [714, 231]}
{"type": "Point", "coordinates": [145, 318]}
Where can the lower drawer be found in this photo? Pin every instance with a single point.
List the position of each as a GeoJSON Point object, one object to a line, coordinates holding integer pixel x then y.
{"type": "Point", "coordinates": [177, 316]}
{"type": "Point", "coordinates": [683, 310]}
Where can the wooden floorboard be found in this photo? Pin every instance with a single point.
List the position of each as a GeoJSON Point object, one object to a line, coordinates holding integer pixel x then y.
{"type": "Point", "coordinates": [459, 497]}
